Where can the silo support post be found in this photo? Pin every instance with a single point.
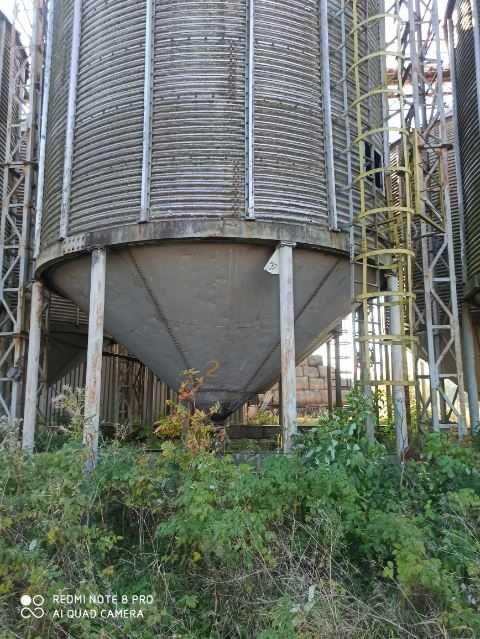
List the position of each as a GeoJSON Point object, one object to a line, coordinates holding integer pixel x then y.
{"type": "Point", "coordinates": [399, 403]}
{"type": "Point", "coordinates": [329, 376]}
{"type": "Point", "coordinates": [33, 367]}
{"type": "Point", "coordinates": [338, 371]}
{"type": "Point", "coordinates": [469, 355]}
{"type": "Point", "coordinates": [287, 346]}
{"type": "Point", "coordinates": [93, 384]}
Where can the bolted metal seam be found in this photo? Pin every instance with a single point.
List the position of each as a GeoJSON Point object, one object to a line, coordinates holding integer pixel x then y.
{"type": "Point", "coordinates": [327, 117]}
{"type": "Point", "coordinates": [72, 102]}
{"type": "Point", "coordinates": [250, 113]}
{"type": "Point", "coordinates": [147, 111]}
{"type": "Point", "coordinates": [43, 129]}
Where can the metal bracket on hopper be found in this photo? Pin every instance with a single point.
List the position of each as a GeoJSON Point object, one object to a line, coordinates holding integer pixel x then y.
{"type": "Point", "coordinates": [73, 244]}
{"type": "Point", "coordinates": [273, 264]}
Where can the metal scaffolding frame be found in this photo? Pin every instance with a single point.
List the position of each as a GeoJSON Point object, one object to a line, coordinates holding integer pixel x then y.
{"type": "Point", "coordinates": [17, 211]}
{"type": "Point", "coordinates": [438, 319]}
{"type": "Point", "coordinates": [407, 242]}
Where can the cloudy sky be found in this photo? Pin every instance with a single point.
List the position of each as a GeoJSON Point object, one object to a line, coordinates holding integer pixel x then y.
{"type": "Point", "coordinates": [7, 7]}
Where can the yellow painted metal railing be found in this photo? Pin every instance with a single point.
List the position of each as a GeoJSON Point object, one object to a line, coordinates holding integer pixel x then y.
{"type": "Point", "coordinates": [383, 222]}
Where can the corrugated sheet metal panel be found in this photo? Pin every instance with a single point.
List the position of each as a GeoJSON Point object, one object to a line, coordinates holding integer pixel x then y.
{"type": "Point", "coordinates": [372, 112]}
{"type": "Point", "coordinates": [198, 123]}
{"type": "Point", "coordinates": [64, 311]}
{"type": "Point", "coordinates": [199, 100]}
{"type": "Point", "coordinates": [456, 220]}
{"type": "Point", "coordinates": [289, 149]}
{"type": "Point", "coordinates": [469, 135]}
{"type": "Point", "coordinates": [107, 157]}
{"type": "Point", "coordinates": [57, 119]}
{"type": "Point", "coordinates": [4, 80]}
{"type": "Point", "coordinates": [131, 395]}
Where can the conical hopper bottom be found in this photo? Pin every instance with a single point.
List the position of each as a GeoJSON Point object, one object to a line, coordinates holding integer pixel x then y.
{"type": "Point", "coordinates": [211, 306]}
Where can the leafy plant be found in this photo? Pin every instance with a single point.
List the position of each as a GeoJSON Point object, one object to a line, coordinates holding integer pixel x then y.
{"type": "Point", "coordinates": [335, 540]}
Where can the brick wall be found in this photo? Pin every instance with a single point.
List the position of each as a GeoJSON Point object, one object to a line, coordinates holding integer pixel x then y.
{"type": "Point", "coordinates": [312, 385]}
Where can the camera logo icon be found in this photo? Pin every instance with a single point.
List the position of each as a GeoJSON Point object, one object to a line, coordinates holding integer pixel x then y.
{"type": "Point", "coordinates": [32, 606]}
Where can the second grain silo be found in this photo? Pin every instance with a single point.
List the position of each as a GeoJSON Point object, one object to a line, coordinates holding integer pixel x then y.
{"type": "Point", "coordinates": [464, 41]}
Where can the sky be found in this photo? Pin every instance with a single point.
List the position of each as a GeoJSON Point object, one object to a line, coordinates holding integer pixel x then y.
{"type": "Point", "coordinates": [7, 7]}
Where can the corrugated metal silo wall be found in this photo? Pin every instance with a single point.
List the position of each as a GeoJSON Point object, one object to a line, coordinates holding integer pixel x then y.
{"type": "Point", "coordinates": [4, 81]}
{"type": "Point", "coordinates": [107, 161]}
{"type": "Point", "coordinates": [469, 131]}
{"type": "Point", "coordinates": [198, 137]}
{"type": "Point", "coordinates": [369, 42]}
{"type": "Point", "coordinates": [198, 109]}
{"type": "Point", "coordinates": [57, 119]}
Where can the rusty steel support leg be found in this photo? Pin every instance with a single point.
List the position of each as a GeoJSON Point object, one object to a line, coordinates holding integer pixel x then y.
{"type": "Point", "coordinates": [329, 376]}
{"type": "Point", "coordinates": [287, 340]}
{"type": "Point", "coordinates": [399, 403]}
{"type": "Point", "coordinates": [33, 368]}
{"type": "Point", "coordinates": [338, 372]}
{"type": "Point", "coordinates": [93, 385]}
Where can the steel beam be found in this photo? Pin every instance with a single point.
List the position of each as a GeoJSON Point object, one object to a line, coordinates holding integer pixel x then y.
{"type": "Point", "coordinates": [93, 384]}
{"type": "Point", "coordinates": [44, 128]}
{"type": "Point", "coordinates": [33, 368]}
{"type": "Point", "coordinates": [250, 113]}
{"type": "Point", "coordinates": [71, 114]}
{"type": "Point", "coordinates": [338, 372]}
{"type": "Point", "coordinates": [399, 403]}
{"type": "Point", "coordinates": [147, 112]}
{"type": "Point", "coordinates": [287, 347]}
{"type": "Point", "coordinates": [440, 319]}
{"type": "Point", "coordinates": [469, 362]}
{"type": "Point", "coordinates": [327, 117]}
{"type": "Point", "coordinates": [329, 376]}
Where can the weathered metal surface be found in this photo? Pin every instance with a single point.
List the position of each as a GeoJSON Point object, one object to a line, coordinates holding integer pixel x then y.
{"type": "Point", "coordinates": [43, 128]}
{"type": "Point", "coordinates": [57, 121]}
{"type": "Point", "coordinates": [287, 347]}
{"type": "Point", "coordinates": [203, 113]}
{"type": "Point", "coordinates": [33, 368]}
{"type": "Point", "coordinates": [469, 133]}
{"type": "Point", "coordinates": [4, 78]}
{"type": "Point", "coordinates": [211, 306]}
{"type": "Point", "coordinates": [93, 383]}
{"type": "Point", "coordinates": [71, 115]}
{"type": "Point", "coordinates": [131, 394]}
{"type": "Point", "coordinates": [230, 111]}
{"type": "Point", "coordinates": [67, 337]}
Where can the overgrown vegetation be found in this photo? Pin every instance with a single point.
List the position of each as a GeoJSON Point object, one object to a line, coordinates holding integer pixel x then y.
{"type": "Point", "coordinates": [336, 540]}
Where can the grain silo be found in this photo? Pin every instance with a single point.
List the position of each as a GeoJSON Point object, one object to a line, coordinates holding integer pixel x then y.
{"type": "Point", "coordinates": [464, 40]}
{"type": "Point", "coordinates": [469, 138]}
{"type": "Point", "coordinates": [186, 142]}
